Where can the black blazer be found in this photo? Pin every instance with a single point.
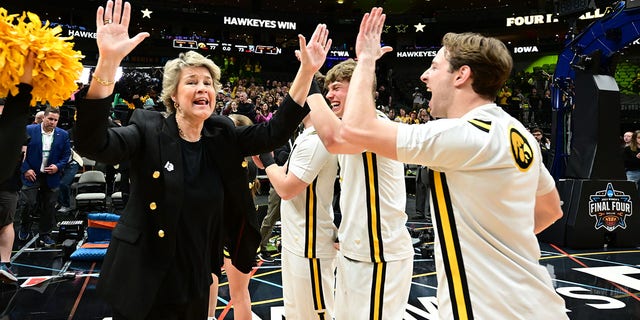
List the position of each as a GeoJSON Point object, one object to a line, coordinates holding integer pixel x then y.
{"type": "Point", "coordinates": [13, 133]}
{"type": "Point", "coordinates": [144, 241]}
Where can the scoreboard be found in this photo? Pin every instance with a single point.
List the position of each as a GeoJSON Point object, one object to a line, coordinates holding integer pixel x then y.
{"type": "Point", "coordinates": [226, 47]}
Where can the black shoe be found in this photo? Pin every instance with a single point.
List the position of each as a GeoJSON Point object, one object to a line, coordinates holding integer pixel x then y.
{"type": "Point", "coordinates": [6, 275]}
{"type": "Point", "coordinates": [24, 234]}
{"type": "Point", "coordinates": [46, 241]}
{"type": "Point", "coordinates": [265, 256]}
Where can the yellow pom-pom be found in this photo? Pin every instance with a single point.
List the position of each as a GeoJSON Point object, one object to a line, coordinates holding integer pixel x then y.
{"type": "Point", "coordinates": [57, 66]}
{"type": "Point", "coordinates": [11, 60]}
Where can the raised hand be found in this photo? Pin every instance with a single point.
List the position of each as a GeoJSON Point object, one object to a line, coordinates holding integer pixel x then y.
{"type": "Point", "coordinates": [313, 54]}
{"type": "Point", "coordinates": [112, 31]}
{"type": "Point", "coordinates": [368, 40]}
{"type": "Point", "coordinates": [29, 62]}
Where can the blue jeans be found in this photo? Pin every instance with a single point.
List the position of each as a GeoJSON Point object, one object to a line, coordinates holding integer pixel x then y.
{"type": "Point", "coordinates": [68, 173]}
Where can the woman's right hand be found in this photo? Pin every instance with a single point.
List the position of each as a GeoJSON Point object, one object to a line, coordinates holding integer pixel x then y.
{"type": "Point", "coordinates": [29, 62]}
{"type": "Point", "coordinates": [112, 32]}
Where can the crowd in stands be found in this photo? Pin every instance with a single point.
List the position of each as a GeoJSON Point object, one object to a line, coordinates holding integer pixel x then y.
{"type": "Point", "coordinates": [525, 95]}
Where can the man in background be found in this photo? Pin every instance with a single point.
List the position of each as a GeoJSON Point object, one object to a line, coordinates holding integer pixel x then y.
{"type": "Point", "coordinates": [48, 151]}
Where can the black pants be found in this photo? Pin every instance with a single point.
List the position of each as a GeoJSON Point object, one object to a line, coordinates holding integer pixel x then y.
{"type": "Point", "coordinates": [39, 196]}
{"type": "Point", "coordinates": [422, 193]}
{"type": "Point", "coordinates": [194, 309]}
{"type": "Point", "coordinates": [269, 221]}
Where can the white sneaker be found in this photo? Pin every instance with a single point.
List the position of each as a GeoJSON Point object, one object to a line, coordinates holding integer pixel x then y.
{"type": "Point", "coordinates": [64, 209]}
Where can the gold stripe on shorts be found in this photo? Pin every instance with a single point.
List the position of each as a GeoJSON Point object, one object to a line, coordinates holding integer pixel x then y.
{"type": "Point", "coordinates": [316, 285]}
{"type": "Point", "coordinates": [377, 290]}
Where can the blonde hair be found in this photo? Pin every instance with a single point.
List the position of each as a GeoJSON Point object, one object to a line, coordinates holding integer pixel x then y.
{"type": "Point", "coordinates": [633, 145]}
{"type": "Point", "coordinates": [240, 120]}
{"type": "Point", "coordinates": [488, 58]}
{"type": "Point", "coordinates": [343, 72]}
{"type": "Point", "coordinates": [173, 68]}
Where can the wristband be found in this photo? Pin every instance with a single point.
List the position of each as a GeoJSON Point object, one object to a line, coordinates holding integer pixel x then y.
{"type": "Point", "coordinates": [314, 88]}
{"type": "Point", "coordinates": [266, 159]}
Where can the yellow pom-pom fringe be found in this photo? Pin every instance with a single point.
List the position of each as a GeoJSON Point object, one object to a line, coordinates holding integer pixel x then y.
{"type": "Point", "coordinates": [57, 66]}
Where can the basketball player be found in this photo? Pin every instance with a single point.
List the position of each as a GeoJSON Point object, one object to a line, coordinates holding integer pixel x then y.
{"type": "Point", "coordinates": [375, 263]}
{"type": "Point", "coordinates": [486, 249]}
{"type": "Point", "coordinates": [305, 184]}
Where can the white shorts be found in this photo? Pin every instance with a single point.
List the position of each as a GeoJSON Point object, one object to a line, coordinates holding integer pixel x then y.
{"type": "Point", "coordinates": [307, 286]}
{"type": "Point", "coordinates": [367, 290]}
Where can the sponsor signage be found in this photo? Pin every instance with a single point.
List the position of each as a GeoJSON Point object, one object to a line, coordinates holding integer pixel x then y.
{"type": "Point", "coordinates": [339, 53]}
{"type": "Point", "coordinates": [546, 18]}
{"type": "Point", "coordinates": [417, 54]}
{"type": "Point", "coordinates": [526, 49]}
{"type": "Point", "coordinates": [259, 23]}
{"type": "Point", "coordinates": [82, 34]}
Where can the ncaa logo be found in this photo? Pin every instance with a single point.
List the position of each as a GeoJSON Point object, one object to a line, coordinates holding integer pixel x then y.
{"type": "Point", "coordinates": [610, 208]}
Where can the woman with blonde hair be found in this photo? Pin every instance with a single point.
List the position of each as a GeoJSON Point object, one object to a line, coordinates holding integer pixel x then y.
{"type": "Point", "coordinates": [188, 193]}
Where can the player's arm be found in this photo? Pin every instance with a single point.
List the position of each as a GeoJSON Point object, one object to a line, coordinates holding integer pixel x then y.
{"type": "Point", "coordinates": [547, 210]}
{"type": "Point", "coordinates": [287, 185]}
{"type": "Point", "coordinates": [312, 56]}
{"type": "Point", "coordinates": [329, 127]}
{"type": "Point", "coordinates": [361, 126]}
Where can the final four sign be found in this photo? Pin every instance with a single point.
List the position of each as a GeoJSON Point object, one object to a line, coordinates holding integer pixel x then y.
{"type": "Point", "coordinates": [610, 208]}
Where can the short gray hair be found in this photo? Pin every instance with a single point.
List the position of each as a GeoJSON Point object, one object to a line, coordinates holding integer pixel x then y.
{"type": "Point", "coordinates": [172, 70]}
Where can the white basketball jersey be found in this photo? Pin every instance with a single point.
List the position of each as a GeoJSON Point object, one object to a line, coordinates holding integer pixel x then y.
{"type": "Point", "coordinates": [307, 219]}
{"type": "Point", "coordinates": [372, 201]}
{"type": "Point", "coordinates": [486, 173]}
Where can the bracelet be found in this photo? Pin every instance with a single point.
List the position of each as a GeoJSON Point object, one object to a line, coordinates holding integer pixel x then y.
{"type": "Point", "coordinates": [103, 82]}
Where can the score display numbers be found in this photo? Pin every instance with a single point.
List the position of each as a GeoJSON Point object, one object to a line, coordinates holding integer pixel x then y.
{"type": "Point", "coordinates": [226, 47]}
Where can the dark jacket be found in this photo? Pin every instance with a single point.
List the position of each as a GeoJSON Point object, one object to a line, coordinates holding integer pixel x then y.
{"type": "Point", "coordinates": [58, 155]}
{"type": "Point", "coordinates": [13, 122]}
{"type": "Point", "coordinates": [13, 182]}
{"type": "Point", "coordinates": [139, 255]}
{"type": "Point", "coordinates": [631, 161]}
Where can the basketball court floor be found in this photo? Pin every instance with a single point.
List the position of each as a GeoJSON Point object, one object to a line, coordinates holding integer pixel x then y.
{"type": "Point", "coordinates": [596, 284]}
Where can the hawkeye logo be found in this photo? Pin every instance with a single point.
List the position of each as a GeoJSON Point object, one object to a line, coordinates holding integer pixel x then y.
{"type": "Point", "coordinates": [610, 208]}
{"type": "Point", "coordinates": [520, 149]}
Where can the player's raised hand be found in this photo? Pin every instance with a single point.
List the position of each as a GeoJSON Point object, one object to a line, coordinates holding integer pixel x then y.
{"type": "Point", "coordinates": [368, 40]}
{"type": "Point", "coordinates": [313, 54]}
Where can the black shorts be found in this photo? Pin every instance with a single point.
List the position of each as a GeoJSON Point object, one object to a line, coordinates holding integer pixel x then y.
{"type": "Point", "coordinates": [8, 205]}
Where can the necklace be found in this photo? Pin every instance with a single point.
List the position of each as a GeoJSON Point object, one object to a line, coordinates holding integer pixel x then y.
{"type": "Point", "coordinates": [183, 136]}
